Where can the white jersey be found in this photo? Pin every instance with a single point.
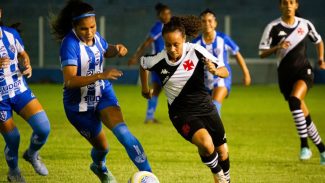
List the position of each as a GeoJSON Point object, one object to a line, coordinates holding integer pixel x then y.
{"type": "Point", "coordinates": [12, 82]}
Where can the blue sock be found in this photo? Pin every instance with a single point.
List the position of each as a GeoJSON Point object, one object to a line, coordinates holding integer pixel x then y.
{"type": "Point", "coordinates": [41, 129]}
{"type": "Point", "coordinates": [152, 105]}
{"type": "Point", "coordinates": [218, 106]}
{"type": "Point", "coordinates": [99, 158]}
{"type": "Point", "coordinates": [132, 146]}
{"type": "Point", "coordinates": [12, 139]}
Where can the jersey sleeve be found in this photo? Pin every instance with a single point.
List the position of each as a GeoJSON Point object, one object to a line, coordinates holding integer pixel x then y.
{"type": "Point", "coordinates": [69, 53]}
{"type": "Point", "coordinates": [102, 41]}
{"type": "Point", "coordinates": [266, 39]}
{"type": "Point", "coordinates": [231, 45]}
{"type": "Point", "coordinates": [313, 34]}
{"type": "Point", "coordinates": [146, 62]}
{"type": "Point", "coordinates": [208, 55]}
{"type": "Point", "coordinates": [155, 31]}
{"type": "Point", "coordinates": [18, 41]}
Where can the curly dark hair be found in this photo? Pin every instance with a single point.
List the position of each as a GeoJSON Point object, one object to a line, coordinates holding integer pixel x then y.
{"type": "Point", "coordinates": [63, 22]}
{"type": "Point", "coordinates": [189, 25]}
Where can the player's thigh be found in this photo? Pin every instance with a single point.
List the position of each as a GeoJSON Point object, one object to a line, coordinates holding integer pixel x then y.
{"type": "Point", "coordinates": [111, 116]}
{"type": "Point", "coordinates": [219, 93]}
{"type": "Point", "coordinates": [299, 89]}
{"type": "Point", "coordinates": [202, 139]}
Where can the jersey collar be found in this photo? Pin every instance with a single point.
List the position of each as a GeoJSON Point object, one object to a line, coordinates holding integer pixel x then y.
{"type": "Point", "coordinates": [289, 26]}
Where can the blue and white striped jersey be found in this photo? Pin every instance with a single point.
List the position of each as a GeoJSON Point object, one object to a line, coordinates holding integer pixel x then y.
{"type": "Point", "coordinates": [156, 34]}
{"type": "Point", "coordinates": [89, 60]}
{"type": "Point", "coordinates": [12, 82]}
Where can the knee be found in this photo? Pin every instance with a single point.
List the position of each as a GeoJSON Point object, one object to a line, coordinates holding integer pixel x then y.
{"type": "Point", "coordinates": [40, 124]}
{"type": "Point", "coordinates": [294, 103]}
{"type": "Point", "coordinates": [223, 152]}
{"type": "Point", "coordinates": [205, 147]}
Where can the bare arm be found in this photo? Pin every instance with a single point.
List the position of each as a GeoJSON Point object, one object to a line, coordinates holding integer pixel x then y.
{"type": "Point", "coordinates": [144, 77]}
{"type": "Point", "coordinates": [24, 60]}
{"type": "Point", "coordinates": [115, 50]}
{"type": "Point", "coordinates": [320, 54]}
{"type": "Point", "coordinates": [241, 62]}
{"type": "Point", "coordinates": [220, 71]}
{"type": "Point", "coordinates": [140, 51]}
{"type": "Point", "coordinates": [71, 80]}
{"type": "Point", "coordinates": [268, 52]}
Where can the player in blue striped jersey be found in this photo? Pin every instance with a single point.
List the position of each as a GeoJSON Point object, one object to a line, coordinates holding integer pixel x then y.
{"type": "Point", "coordinates": [156, 40]}
{"type": "Point", "coordinates": [89, 98]}
{"type": "Point", "coordinates": [15, 95]}
{"type": "Point", "coordinates": [219, 44]}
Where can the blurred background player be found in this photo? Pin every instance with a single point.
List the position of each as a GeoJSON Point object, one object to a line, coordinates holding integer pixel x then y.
{"type": "Point", "coordinates": [180, 67]}
{"type": "Point", "coordinates": [89, 99]}
{"type": "Point", "coordinates": [15, 95]}
{"type": "Point", "coordinates": [155, 39]}
{"type": "Point", "coordinates": [218, 44]}
{"type": "Point", "coordinates": [287, 38]}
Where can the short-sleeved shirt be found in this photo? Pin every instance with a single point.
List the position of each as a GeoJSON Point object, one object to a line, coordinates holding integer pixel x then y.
{"type": "Point", "coordinates": [294, 58]}
{"type": "Point", "coordinates": [183, 81]}
{"type": "Point", "coordinates": [156, 34]}
{"type": "Point", "coordinates": [12, 82]}
{"type": "Point", "coordinates": [89, 61]}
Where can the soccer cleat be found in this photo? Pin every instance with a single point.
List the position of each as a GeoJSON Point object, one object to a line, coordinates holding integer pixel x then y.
{"type": "Point", "coordinates": [220, 177]}
{"type": "Point", "coordinates": [105, 176]}
{"type": "Point", "coordinates": [154, 120]}
{"type": "Point", "coordinates": [37, 164]}
{"type": "Point", "coordinates": [15, 176]}
{"type": "Point", "coordinates": [305, 153]}
{"type": "Point", "coordinates": [322, 158]}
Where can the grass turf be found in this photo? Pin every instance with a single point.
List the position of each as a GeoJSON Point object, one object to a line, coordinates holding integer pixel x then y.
{"type": "Point", "coordinates": [263, 142]}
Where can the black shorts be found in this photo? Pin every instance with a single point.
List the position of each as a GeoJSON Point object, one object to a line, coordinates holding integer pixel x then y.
{"type": "Point", "coordinates": [287, 80]}
{"type": "Point", "coordinates": [187, 125]}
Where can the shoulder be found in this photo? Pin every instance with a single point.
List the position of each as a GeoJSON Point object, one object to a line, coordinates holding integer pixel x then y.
{"type": "Point", "coordinates": [70, 40]}
{"type": "Point", "coordinates": [157, 26]}
{"type": "Point", "coordinates": [10, 30]}
{"type": "Point", "coordinates": [147, 62]}
{"type": "Point", "coordinates": [273, 24]}
{"type": "Point", "coordinates": [305, 21]}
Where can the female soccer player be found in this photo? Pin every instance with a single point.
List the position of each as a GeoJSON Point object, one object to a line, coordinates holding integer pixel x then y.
{"type": "Point", "coordinates": [89, 97]}
{"type": "Point", "coordinates": [180, 67]}
{"type": "Point", "coordinates": [15, 95]}
{"type": "Point", "coordinates": [218, 43]}
{"type": "Point", "coordinates": [155, 39]}
{"type": "Point", "coordinates": [287, 38]}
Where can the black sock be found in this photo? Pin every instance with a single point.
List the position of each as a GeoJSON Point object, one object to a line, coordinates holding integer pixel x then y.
{"type": "Point", "coordinates": [225, 165]}
{"type": "Point", "coordinates": [212, 162]}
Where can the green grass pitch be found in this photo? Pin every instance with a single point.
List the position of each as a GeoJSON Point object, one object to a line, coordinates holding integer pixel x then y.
{"type": "Point", "coordinates": [261, 135]}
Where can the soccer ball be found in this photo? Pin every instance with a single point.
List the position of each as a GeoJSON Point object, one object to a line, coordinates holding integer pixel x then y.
{"type": "Point", "coordinates": [143, 177]}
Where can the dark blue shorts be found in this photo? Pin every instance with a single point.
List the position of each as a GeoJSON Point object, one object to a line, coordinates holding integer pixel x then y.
{"type": "Point", "coordinates": [17, 103]}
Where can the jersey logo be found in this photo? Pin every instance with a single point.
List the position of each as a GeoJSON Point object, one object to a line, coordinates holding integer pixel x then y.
{"type": "Point", "coordinates": [3, 116]}
{"type": "Point", "coordinates": [12, 48]}
{"type": "Point", "coordinates": [300, 31]}
{"type": "Point", "coordinates": [188, 65]}
{"type": "Point", "coordinates": [164, 71]}
{"type": "Point", "coordinates": [282, 33]}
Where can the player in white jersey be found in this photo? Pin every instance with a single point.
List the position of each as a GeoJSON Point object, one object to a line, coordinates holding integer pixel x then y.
{"type": "Point", "coordinates": [219, 44]}
{"type": "Point", "coordinates": [15, 95]}
{"type": "Point", "coordinates": [180, 67]}
{"type": "Point", "coordinates": [89, 99]}
{"type": "Point", "coordinates": [287, 38]}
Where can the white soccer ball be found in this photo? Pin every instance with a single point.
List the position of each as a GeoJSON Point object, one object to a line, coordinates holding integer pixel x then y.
{"type": "Point", "coordinates": [143, 177]}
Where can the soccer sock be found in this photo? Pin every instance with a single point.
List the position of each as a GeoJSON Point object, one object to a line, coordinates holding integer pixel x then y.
{"type": "Point", "coordinates": [152, 105]}
{"type": "Point", "coordinates": [313, 134]}
{"type": "Point", "coordinates": [12, 139]}
{"type": "Point", "coordinates": [225, 165]}
{"type": "Point", "coordinates": [212, 162]}
{"type": "Point", "coordinates": [41, 129]}
{"type": "Point", "coordinates": [299, 118]}
{"type": "Point", "coordinates": [132, 147]}
{"type": "Point", "coordinates": [218, 106]}
{"type": "Point", "coordinates": [99, 158]}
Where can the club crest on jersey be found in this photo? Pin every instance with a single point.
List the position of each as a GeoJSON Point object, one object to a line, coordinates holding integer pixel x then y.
{"type": "Point", "coordinates": [300, 31]}
{"type": "Point", "coordinates": [188, 65]}
{"type": "Point", "coordinates": [186, 129]}
{"type": "Point", "coordinates": [3, 116]}
{"type": "Point", "coordinates": [12, 48]}
{"type": "Point", "coordinates": [217, 51]}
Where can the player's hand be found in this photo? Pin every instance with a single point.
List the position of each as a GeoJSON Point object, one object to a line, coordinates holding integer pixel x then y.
{"type": "Point", "coordinates": [210, 66]}
{"type": "Point", "coordinates": [4, 62]}
{"type": "Point", "coordinates": [321, 64]}
{"type": "Point", "coordinates": [284, 45]}
{"type": "Point", "coordinates": [247, 80]}
{"type": "Point", "coordinates": [147, 93]}
{"type": "Point", "coordinates": [112, 74]}
{"type": "Point", "coordinates": [122, 50]}
{"type": "Point", "coordinates": [132, 61]}
{"type": "Point", "coordinates": [26, 67]}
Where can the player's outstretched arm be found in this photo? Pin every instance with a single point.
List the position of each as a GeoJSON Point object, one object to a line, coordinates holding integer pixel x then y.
{"type": "Point", "coordinates": [140, 50]}
{"type": "Point", "coordinates": [146, 91]}
{"type": "Point", "coordinates": [241, 62]}
{"type": "Point", "coordinates": [71, 80]}
{"type": "Point", "coordinates": [116, 50]}
{"type": "Point", "coordinates": [320, 53]}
